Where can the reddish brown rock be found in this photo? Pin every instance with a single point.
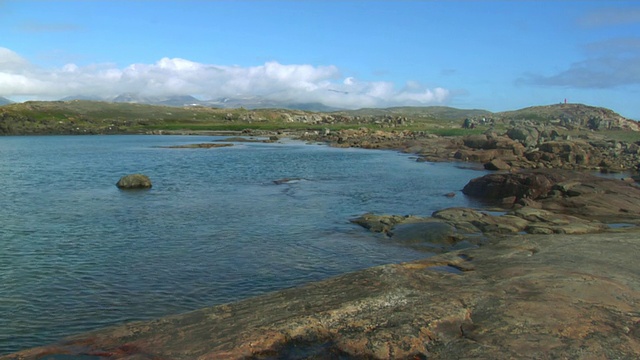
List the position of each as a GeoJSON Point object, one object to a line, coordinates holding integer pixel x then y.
{"type": "Point", "coordinates": [476, 155]}
{"type": "Point", "coordinates": [479, 141]}
{"type": "Point", "coordinates": [497, 164]}
{"type": "Point", "coordinates": [566, 192]}
{"type": "Point", "coordinates": [521, 185]}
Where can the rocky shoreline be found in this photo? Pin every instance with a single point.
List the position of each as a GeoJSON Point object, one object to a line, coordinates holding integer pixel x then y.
{"type": "Point", "coordinates": [523, 296]}
{"type": "Point", "coordinates": [520, 147]}
{"type": "Point", "coordinates": [553, 274]}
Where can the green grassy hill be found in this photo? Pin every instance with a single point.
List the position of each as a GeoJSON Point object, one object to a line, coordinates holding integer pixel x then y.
{"type": "Point", "coordinates": [83, 116]}
{"type": "Point", "coordinates": [426, 112]}
{"type": "Point", "coordinates": [561, 111]}
{"type": "Point", "coordinates": [95, 117]}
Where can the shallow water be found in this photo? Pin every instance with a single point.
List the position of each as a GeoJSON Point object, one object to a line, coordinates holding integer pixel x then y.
{"type": "Point", "coordinates": [76, 253]}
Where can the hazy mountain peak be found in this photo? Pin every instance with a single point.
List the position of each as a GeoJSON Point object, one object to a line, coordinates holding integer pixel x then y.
{"type": "Point", "coordinates": [5, 101]}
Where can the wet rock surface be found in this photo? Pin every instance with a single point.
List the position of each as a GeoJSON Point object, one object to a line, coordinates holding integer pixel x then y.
{"type": "Point", "coordinates": [523, 296]}
{"type": "Point", "coordinates": [429, 236]}
{"type": "Point", "coordinates": [383, 223]}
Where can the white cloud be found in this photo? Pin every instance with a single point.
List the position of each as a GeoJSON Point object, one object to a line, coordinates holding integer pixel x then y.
{"type": "Point", "coordinates": [174, 76]}
{"type": "Point", "coordinates": [11, 62]}
{"type": "Point", "coordinates": [37, 27]}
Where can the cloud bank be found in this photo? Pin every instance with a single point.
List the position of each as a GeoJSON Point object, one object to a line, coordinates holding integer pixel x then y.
{"type": "Point", "coordinates": [610, 17]}
{"type": "Point", "coordinates": [608, 64]}
{"type": "Point", "coordinates": [175, 76]}
{"type": "Point", "coordinates": [596, 73]}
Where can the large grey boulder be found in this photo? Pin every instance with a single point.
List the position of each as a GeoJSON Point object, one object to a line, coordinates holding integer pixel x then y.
{"type": "Point", "coordinates": [479, 141]}
{"type": "Point", "coordinates": [527, 135]}
{"type": "Point", "coordinates": [134, 181]}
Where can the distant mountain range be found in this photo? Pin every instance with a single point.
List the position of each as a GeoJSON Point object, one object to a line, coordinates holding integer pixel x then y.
{"type": "Point", "coordinates": [226, 103]}
{"type": "Point", "coordinates": [5, 101]}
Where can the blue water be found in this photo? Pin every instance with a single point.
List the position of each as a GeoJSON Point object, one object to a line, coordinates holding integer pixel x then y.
{"type": "Point", "coordinates": [77, 254]}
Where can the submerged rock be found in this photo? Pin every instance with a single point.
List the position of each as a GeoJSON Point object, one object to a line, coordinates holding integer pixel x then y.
{"type": "Point", "coordinates": [198, 146]}
{"type": "Point", "coordinates": [434, 236]}
{"type": "Point", "coordinates": [382, 223]}
{"type": "Point", "coordinates": [468, 219]}
{"type": "Point", "coordinates": [287, 181]}
{"type": "Point", "coordinates": [134, 181]}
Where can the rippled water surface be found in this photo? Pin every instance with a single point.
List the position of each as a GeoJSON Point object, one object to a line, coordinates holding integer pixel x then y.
{"type": "Point", "coordinates": [77, 254]}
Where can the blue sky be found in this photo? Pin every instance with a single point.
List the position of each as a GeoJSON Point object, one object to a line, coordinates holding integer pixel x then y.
{"type": "Point", "coordinates": [494, 55]}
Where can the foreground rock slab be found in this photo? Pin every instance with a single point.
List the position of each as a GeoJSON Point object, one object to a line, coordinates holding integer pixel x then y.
{"type": "Point", "coordinates": [522, 296]}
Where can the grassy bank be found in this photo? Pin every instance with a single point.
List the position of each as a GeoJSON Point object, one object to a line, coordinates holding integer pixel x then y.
{"type": "Point", "coordinates": [92, 117]}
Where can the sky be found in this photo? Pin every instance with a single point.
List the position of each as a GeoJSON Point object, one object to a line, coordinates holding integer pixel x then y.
{"type": "Point", "coordinates": [493, 55]}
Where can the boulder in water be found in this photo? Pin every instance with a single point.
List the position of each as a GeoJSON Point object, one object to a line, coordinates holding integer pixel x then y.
{"type": "Point", "coordinates": [134, 181]}
{"type": "Point", "coordinates": [287, 181]}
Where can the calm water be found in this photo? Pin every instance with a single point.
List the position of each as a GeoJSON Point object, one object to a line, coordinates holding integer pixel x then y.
{"type": "Point", "coordinates": [78, 254]}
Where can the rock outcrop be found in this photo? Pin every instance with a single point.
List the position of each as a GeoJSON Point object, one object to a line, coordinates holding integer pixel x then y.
{"type": "Point", "coordinates": [536, 146]}
{"type": "Point", "coordinates": [527, 135]}
{"type": "Point", "coordinates": [513, 186]}
{"type": "Point", "coordinates": [534, 202]}
{"type": "Point", "coordinates": [497, 164]}
{"type": "Point", "coordinates": [562, 192]}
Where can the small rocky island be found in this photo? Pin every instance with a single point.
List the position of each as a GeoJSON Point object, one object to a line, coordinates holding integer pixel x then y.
{"type": "Point", "coordinates": [549, 272]}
